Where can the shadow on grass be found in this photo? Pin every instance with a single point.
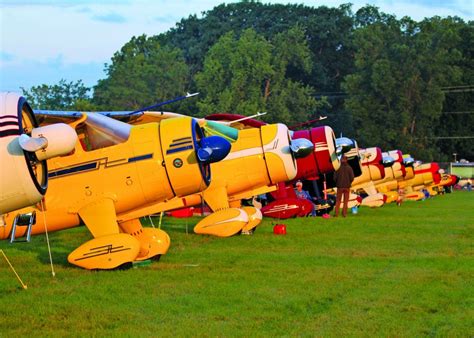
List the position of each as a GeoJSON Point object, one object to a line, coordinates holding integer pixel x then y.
{"type": "Point", "coordinates": [172, 225]}
{"type": "Point", "coordinates": [60, 244]}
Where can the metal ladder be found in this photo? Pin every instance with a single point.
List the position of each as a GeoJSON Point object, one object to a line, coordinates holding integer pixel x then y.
{"type": "Point", "coordinates": [27, 220]}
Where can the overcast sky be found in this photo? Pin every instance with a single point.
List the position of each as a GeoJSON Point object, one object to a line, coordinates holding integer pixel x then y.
{"type": "Point", "coordinates": [43, 41]}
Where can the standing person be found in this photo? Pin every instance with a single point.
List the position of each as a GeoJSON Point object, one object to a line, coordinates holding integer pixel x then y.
{"type": "Point", "coordinates": [343, 178]}
{"type": "Point", "coordinates": [400, 197]}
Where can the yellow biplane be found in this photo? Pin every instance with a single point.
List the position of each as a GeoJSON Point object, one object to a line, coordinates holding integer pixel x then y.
{"type": "Point", "coordinates": [424, 175]}
{"type": "Point", "coordinates": [259, 159]}
{"type": "Point", "coordinates": [114, 169]}
{"type": "Point", "coordinates": [373, 169]}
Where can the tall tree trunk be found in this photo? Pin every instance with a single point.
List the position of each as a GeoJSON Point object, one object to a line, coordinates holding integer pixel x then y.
{"type": "Point", "coordinates": [412, 127]}
{"type": "Point", "coordinates": [267, 90]}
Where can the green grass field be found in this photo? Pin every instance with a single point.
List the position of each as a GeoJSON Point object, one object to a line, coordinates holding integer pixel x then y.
{"type": "Point", "coordinates": [392, 271]}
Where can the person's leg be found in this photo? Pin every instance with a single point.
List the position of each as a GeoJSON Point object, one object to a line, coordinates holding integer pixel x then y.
{"type": "Point", "coordinates": [338, 201]}
{"type": "Point", "coordinates": [345, 194]}
{"type": "Point", "coordinates": [313, 210]}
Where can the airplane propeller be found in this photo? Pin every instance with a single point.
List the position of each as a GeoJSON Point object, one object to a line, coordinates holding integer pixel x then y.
{"type": "Point", "coordinates": [208, 150]}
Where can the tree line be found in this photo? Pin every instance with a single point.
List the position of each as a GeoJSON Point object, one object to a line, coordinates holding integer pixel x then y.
{"type": "Point", "coordinates": [384, 81]}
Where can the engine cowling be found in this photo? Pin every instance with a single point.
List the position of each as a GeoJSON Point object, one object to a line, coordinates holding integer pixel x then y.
{"type": "Point", "coordinates": [281, 164]}
{"type": "Point", "coordinates": [427, 173]}
{"type": "Point", "coordinates": [397, 170]}
{"type": "Point", "coordinates": [24, 149]}
{"type": "Point", "coordinates": [371, 159]}
{"type": "Point", "coordinates": [324, 158]}
{"type": "Point", "coordinates": [191, 147]}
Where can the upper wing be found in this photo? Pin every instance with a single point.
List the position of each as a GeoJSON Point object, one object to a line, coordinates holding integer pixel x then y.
{"type": "Point", "coordinates": [55, 116]}
{"type": "Point", "coordinates": [143, 115]}
{"type": "Point", "coordinates": [237, 121]}
{"type": "Point", "coordinates": [155, 116]}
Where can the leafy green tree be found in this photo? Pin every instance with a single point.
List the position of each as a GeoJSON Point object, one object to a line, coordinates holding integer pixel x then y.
{"type": "Point", "coordinates": [61, 96]}
{"type": "Point", "coordinates": [141, 73]}
{"type": "Point", "coordinates": [288, 99]}
{"type": "Point", "coordinates": [250, 74]}
{"type": "Point", "coordinates": [397, 73]}
{"type": "Point", "coordinates": [234, 75]}
{"type": "Point", "coordinates": [395, 94]}
{"type": "Point", "coordinates": [327, 32]}
{"type": "Point", "coordinates": [455, 127]}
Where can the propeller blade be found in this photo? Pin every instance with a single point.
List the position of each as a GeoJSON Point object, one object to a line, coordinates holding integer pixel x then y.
{"type": "Point", "coordinates": [32, 144]}
{"type": "Point", "coordinates": [204, 154]}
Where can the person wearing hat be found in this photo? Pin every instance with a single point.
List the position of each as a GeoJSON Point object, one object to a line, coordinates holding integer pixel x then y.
{"type": "Point", "coordinates": [303, 194]}
{"type": "Point", "coordinates": [343, 178]}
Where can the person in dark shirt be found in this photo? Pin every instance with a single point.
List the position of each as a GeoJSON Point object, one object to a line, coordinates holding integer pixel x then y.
{"type": "Point", "coordinates": [343, 178]}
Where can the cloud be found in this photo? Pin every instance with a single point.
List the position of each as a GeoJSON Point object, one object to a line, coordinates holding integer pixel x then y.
{"type": "Point", "coordinates": [428, 8]}
{"type": "Point", "coordinates": [5, 57]}
{"type": "Point", "coordinates": [453, 4]}
{"type": "Point", "coordinates": [84, 10]}
{"type": "Point", "coordinates": [167, 19]}
{"type": "Point", "coordinates": [420, 9]}
{"type": "Point", "coordinates": [29, 73]}
{"type": "Point", "coordinates": [73, 39]}
{"type": "Point", "coordinates": [110, 18]}
{"type": "Point", "coordinates": [416, 9]}
{"type": "Point", "coordinates": [60, 3]}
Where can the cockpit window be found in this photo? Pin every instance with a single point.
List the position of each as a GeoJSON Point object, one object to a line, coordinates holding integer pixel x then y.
{"type": "Point", "coordinates": [100, 132]}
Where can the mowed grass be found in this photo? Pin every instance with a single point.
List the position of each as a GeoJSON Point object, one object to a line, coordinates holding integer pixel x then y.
{"type": "Point", "coordinates": [392, 271]}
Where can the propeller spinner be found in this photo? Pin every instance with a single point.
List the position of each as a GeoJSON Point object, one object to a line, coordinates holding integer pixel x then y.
{"type": "Point", "coordinates": [344, 145]}
{"type": "Point", "coordinates": [212, 149]}
{"type": "Point", "coordinates": [388, 161]}
{"type": "Point", "coordinates": [408, 161]}
{"type": "Point", "coordinates": [301, 147]}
